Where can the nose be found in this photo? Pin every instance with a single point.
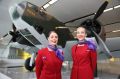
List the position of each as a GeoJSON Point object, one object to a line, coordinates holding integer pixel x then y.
{"type": "Point", "coordinates": [79, 33]}
{"type": "Point", "coordinates": [15, 11]}
{"type": "Point", "coordinates": [54, 38]}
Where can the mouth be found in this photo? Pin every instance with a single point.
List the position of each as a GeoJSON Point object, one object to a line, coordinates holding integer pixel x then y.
{"type": "Point", "coordinates": [80, 36]}
{"type": "Point", "coordinates": [54, 41]}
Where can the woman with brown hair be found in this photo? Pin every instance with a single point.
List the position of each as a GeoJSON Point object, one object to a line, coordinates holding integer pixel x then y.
{"type": "Point", "coordinates": [49, 60]}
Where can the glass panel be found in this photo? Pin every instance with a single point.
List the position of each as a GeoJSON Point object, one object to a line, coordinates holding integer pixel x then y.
{"type": "Point", "coordinates": [32, 39]}
{"type": "Point", "coordinates": [25, 32]}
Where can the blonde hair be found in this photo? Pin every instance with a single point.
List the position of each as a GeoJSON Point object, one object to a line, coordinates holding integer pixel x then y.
{"type": "Point", "coordinates": [83, 28]}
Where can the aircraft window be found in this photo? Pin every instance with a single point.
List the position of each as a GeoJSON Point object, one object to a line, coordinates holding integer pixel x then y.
{"type": "Point", "coordinates": [18, 11]}
{"type": "Point", "coordinates": [25, 32]}
{"type": "Point", "coordinates": [15, 14]}
{"type": "Point", "coordinates": [22, 5]}
{"type": "Point", "coordinates": [33, 39]}
{"type": "Point", "coordinates": [34, 7]}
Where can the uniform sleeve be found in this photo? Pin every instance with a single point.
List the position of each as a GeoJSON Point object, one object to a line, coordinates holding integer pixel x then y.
{"type": "Point", "coordinates": [38, 64]}
{"type": "Point", "coordinates": [93, 57]}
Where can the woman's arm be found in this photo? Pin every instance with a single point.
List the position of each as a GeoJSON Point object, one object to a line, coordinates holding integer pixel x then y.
{"type": "Point", "coordinates": [38, 64]}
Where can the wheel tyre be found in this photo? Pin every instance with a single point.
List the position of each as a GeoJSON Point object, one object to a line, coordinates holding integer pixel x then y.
{"type": "Point", "coordinates": [27, 62]}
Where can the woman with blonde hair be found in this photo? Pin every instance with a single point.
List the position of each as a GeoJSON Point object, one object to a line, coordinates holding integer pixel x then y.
{"type": "Point", "coordinates": [84, 57]}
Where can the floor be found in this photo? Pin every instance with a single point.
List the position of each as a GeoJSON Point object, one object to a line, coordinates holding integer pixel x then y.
{"type": "Point", "coordinates": [22, 73]}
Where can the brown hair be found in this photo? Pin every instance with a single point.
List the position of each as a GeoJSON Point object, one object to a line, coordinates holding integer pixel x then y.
{"type": "Point", "coordinates": [51, 32]}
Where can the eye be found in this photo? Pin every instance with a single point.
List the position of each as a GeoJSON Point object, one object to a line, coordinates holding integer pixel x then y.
{"type": "Point", "coordinates": [82, 32]}
{"type": "Point", "coordinates": [78, 32]}
{"type": "Point", "coordinates": [52, 36]}
{"type": "Point", "coordinates": [56, 36]}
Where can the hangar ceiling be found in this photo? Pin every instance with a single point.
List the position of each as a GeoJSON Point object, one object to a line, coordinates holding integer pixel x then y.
{"type": "Point", "coordinates": [65, 10]}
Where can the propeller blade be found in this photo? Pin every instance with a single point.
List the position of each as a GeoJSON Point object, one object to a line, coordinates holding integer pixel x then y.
{"type": "Point", "coordinates": [100, 10]}
{"type": "Point", "coordinates": [5, 35]}
{"type": "Point", "coordinates": [14, 28]}
{"type": "Point", "coordinates": [14, 35]}
{"type": "Point", "coordinates": [103, 45]}
{"type": "Point", "coordinates": [11, 33]}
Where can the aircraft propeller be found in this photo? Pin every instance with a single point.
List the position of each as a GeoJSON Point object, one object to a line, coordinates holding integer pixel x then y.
{"type": "Point", "coordinates": [100, 10]}
{"type": "Point", "coordinates": [13, 33]}
{"type": "Point", "coordinates": [93, 24]}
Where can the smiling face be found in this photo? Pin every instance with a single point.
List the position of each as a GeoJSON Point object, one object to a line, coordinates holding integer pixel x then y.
{"type": "Point", "coordinates": [81, 33]}
{"type": "Point", "coordinates": [53, 38]}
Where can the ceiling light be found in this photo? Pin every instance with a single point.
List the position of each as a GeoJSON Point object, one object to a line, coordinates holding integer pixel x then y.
{"type": "Point", "coordinates": [116, 31]}
{"type": "Point", "coordinates": [61, 27]}
{"type": "Point", "coordinates": [46, 5]}
{"type": "Point", "coordinates": [108, 9]}
{"type": "Point", "coordinates": [52, 1]}
{"type": "Point", "coordinates": [1, 38]}
{"type": "Point", "coordinates": [118, 6]}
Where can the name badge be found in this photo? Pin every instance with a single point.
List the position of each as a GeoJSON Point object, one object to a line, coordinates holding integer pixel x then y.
{"type": "Point", "coordinates": [44, 57]}
{"type": "Point", "coordinates": [87, 50]}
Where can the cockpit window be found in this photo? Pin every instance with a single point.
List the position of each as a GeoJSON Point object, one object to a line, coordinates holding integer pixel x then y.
{"type": "Point", "coordinates": [34, 7]}
{"type": "Point", "coordinates": [19, 9]}
{"type": "Point", "coordinates": [23, 4]}
{"type": "Point", "coordinates": [15, 14]}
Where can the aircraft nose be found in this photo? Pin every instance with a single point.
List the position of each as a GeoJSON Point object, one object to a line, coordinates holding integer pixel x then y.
{"type": "Point", "coordinates": [16, 11]}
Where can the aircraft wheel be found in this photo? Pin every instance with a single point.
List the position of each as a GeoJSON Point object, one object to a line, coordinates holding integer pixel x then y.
{"type": "Point", "coordinates": [27, 66]}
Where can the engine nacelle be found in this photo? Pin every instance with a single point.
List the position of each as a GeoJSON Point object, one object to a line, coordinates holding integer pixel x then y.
{"type": "Point", "coordinates": [89, 24]}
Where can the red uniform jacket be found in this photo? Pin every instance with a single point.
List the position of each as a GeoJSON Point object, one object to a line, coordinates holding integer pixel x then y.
{"type": "Point", "coordinates": [84, 62]}
{"type": "Point", "coordinates": [48, 65]}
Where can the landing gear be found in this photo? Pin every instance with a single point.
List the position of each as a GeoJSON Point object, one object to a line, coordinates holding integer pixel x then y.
{"type": "Point", "coordinates": [28, 66]}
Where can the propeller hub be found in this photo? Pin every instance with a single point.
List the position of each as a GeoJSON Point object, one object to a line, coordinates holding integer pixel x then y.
{"type": "Point", "coordinates": [90, 25]}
